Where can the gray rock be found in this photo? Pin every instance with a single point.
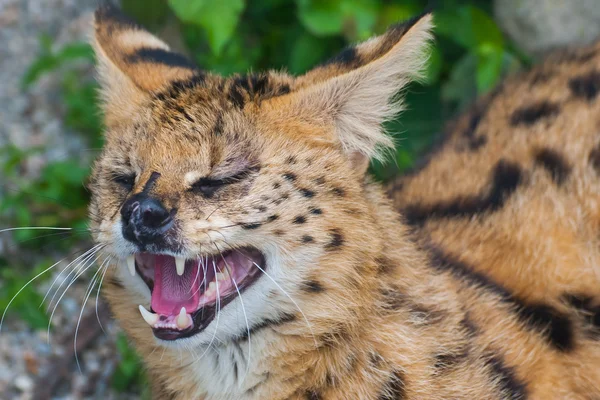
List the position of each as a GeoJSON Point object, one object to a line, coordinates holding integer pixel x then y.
{"type": "Point", "coordinates": [538, 26]}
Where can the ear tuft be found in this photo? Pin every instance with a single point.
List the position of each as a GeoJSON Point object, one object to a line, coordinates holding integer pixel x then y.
{"type": "Point", "coordinates": [132, 63]}
{"type": "Point", "coordinates": [357, 91]}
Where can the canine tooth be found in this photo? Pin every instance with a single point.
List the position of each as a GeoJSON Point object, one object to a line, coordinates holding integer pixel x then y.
{"type": "Point", "coordinates": [180, 264]}
{"type": "Point", "coordinates": [150, 318]}
{"type": "Point", "coordinates": [131, 265]}
{"type": "Point", "coordinates": [182, 319]}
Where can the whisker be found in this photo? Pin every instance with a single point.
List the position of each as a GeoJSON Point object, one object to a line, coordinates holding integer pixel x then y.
{"type": "Point", "coordinates": [285, 293]}
{"type": "Point", "coordinates": [98, 292]}
{"type": "Point", "coordinates": [218, 314]}
{"type": "Point", "coordinates": [81, 270]}
{"type": "Point", "coordinates": [23, 288]}
{"type": "Point", "coordinates": [78, 259]}
{"type": "Point", "coordinates": [230, 270]}
{"type": "Point", "coordinates": [22, 228]}
{"type": "Point", "coordinates": [88, 292]}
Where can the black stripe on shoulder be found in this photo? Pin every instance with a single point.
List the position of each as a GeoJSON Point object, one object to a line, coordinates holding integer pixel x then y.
{"type": "Point", "coordinates": [394, 388]}
{"type": "Point", "coordinates": [554, 326]}
{"type": "Point", "coordinates": [554, 163]}
{"type": "Point", "coordinates": [529, 115]}
{"type": "Point", "coordinates": [505, 377]}
{"type": "Point", "coordinates": [160, 56]}
{"type": "Point", "coordinates": [506, 178]}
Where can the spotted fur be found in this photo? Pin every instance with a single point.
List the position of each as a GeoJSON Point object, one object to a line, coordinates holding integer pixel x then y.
{"type": "Point", "coordinates": [477, 279]}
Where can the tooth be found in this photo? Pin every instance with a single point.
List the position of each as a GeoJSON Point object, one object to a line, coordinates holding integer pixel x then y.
{"type": "Point", "coordinates": [182, 319]}
{"type": "Point", "coordinates": [220, 276]}
{"type": "Point", "coordinates": [131, 265]}
{"type": "Point", "coordinates": [180, 264]}
{"type": "Point", "coordinates": [149, 317]}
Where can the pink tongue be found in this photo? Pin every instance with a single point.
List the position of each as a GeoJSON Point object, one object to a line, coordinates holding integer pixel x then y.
{"type": "Point", "coordinates": [171, 291]}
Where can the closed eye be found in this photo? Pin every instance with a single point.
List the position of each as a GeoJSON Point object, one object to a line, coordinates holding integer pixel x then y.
{"type": "Point", "coordinates": [126, 181]}
{"type": "Point", "coordinates": [208, 186]}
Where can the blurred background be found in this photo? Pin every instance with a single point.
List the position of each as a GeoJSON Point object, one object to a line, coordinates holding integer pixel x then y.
{"type": "Point", "coordinates": [50, 132]}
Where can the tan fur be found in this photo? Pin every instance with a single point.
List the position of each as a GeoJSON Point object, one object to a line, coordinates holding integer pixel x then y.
{"type": "Point", "coordinates": [470, 303]}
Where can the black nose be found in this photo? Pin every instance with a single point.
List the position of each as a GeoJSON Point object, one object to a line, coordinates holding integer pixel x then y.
{"type": "Point", "coordinates": [144, 219]}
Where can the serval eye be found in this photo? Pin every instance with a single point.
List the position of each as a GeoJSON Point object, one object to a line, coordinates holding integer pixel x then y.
{"type": "Point", "coordinates": [124, 180]}
{"type": "Point", "coordinates": [207, 187]}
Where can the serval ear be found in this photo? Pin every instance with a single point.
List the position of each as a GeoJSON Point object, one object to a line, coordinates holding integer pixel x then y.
{"type": "Point", "coordinates": [356, 92]}
{"type": "Point", "coordinates": [132, 63]}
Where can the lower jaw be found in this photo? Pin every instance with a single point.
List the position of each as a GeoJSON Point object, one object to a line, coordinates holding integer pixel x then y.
{"type": "Point", "coordinates": [201, 319]}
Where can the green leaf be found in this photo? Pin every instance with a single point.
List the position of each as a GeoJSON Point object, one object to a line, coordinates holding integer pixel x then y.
{"type": "Point", "coordinates": [461, 88]}
{"type": "Point", "coordinates": [150, 13]}
{"type": "Point", "coordinates": [218, 18]}
{"type": "Point", "coordinates": [307, 51]}
{"type": "Point", "coordinates": [470, 27]}
{"type": "Point", "coordinates": [354, 18]}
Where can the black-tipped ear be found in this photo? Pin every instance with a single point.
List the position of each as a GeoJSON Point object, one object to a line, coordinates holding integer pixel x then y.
{"type": "Point", "coordinates": [132, 62]}
{"type": "Point", "coordinates": [355, 92]}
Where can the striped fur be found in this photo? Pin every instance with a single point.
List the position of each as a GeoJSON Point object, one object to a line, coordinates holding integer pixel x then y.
{"type": "Point", "coordinates": [474, 277]}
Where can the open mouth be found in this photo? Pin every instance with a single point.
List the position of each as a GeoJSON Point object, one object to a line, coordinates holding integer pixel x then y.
{"type": "Point", "coordinates": [187, 294]}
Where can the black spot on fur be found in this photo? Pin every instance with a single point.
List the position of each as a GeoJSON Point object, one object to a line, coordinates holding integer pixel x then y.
{"type": "Point", "coordinates": [290, 176]}
{"type": "Point", "coordinates": [586, 86]}
{"type": "Point", "coordinates": [313, 286]}
{"type": "Point", "coordinates": [300, 219]}
{"type": "Point", "coordinates": [251, 226]}
{"type": "Point", "coordinates": [261, 209]}
{"type": "Point", "coordinates": [510, 385]}
{"type": "Point", "coordinates": [176, 88]}
{"type": "Point", "coordinates": [291, 160]}
{"type": "Point", "coordinates": [307, 239]}
{"type": "Point", "coordinates": [594, 158]}
{"type": "Point", "coordinates": [394, 388]}
{"type": "Point", "coordinates": [448, 360]}
{"type": "Point", "coordinates": [337, 239]}
{"type": "Point", "coordinates": [554, 163]}
{"type": "Point", "coordinates": [159, 56]}
{"type": "Point", "coordinates": [529, 115]}
{"type": "Point", "coordinates": [307, 193]}
{"type": "Point", "coordinates": [555, 327]}
{"type": "Point", "coordinates": [267, 323]}
{"type": "Point", "coordinates": [384, 266]}
{"type": "Point", "coordinates": [392, 298]}
{"type": "Point", "coordinates": [276, 185]}
{"type": "Point", "coordinates": [272, 218]}
{"type": "Point", "coordinates": [313, 395]}
{"type": "Point", "coordinates": [315, 211]}
{"type": "Point", "coordinates": [320, 181]}
{"type": "Point", "coordinates": [506, 177]}
{"type": "Point", "coordinates": [218, 128]}
{"type": "Point", "coordinates": [338, 191]}
{"type": "Point", "coordinates": [278, 232]}
{"type": "Point", "coordinates": [375, 359]}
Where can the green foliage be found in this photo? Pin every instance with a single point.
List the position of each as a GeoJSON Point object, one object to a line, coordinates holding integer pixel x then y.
{"type": "Point", "coordinates": [469, 58]}
{"type": "Point", "coordinates": [129, 374]}
{"type": "Point", "coordinates": [27, 304]}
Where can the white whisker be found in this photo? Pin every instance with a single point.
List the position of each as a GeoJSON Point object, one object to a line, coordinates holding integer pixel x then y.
{"type": "Point", "coordinates": [98, 292]}
{"type": "Point", "coordinates": [23, 228]}
{"type": "Point", "coordinates": [23, 288]}
{"type": "Point", "coordinates": [88, 292]}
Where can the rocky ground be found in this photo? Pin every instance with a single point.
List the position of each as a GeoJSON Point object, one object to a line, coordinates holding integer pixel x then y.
{"type": "Point", "coordinates": [33, 365]}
